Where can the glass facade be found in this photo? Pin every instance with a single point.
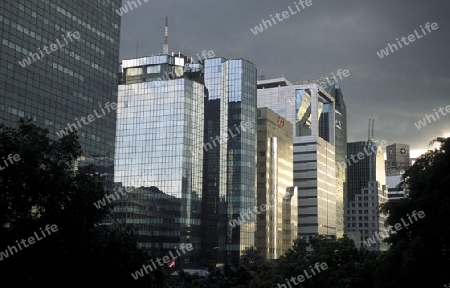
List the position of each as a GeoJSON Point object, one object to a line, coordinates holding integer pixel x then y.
{"type": "Point", "coordinates": [341, 154]}
{"type": "Point", "coordinates": [57, 88]}
{"type": "Point", "coordinates": [230, 166]}
{"type": "Point", "coordinates": [159, 146]}
{"type": "Point", "coordinates": [156, 137]}
{"type": "Point", "coordinates": [186, 136]}
{"type": "Point", "coordinates": [366, 191]}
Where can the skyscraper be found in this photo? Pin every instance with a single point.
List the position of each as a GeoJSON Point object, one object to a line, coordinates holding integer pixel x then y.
{"type": "Point", "coordinates": [313, 110]}
{"type": "Point", "coordinates": [276, 227]}
{"type": "Point", "coordinates": [186, 134]}
{"type": "Point", "coordinates": [59, 64]}
{"type": "Point", "coordinates": [159, 152]}
{"type": "Point", "coordinates": [229, 164]}
{"type": "Point", "coordinates": [341, 154]}
{"type": "Point", "coordinates": [366, 192]}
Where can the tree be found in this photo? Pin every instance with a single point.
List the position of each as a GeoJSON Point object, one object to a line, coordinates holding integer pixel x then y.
{"type": "Point", "coordinates": [423, 248]}
{"type": "Point", "coordinates": [261, 271]}
{"type": "Point", "coordinates": [346, 265]}
{"type": "Point", "coordinates": [42, 189]}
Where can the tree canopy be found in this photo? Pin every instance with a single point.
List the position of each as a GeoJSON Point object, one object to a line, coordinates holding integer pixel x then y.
{"type": "Point", "coordinates": [40, 188]}
{"type": "Point", "coordinates": [423, 249]}
{"type": "Point", "coordinates": [43, 189]}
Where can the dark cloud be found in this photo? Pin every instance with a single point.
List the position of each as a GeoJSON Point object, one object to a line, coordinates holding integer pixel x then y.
{"type": "Point", "coordinates": [397, 90]}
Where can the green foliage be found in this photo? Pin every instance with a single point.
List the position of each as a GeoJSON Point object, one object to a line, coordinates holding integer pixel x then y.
{"type": "Point", "coordinates": [343, 259]}
{"type": "Point", "coordinates": [43, 188]}
{"type": "Point", "coordinates": [422, 250]}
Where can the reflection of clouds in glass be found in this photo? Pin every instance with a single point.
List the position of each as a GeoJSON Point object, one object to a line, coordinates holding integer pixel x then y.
{"type": "Point", "coordinates": [304, 110]}
{"type": "Point", "coordinates": [319, 108]}
{"type": "Point", "coordinates": [156, 133]}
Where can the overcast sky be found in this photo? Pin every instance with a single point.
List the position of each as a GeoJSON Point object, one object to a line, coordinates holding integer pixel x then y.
{"type": "Point", "coordinates": [397, 90]}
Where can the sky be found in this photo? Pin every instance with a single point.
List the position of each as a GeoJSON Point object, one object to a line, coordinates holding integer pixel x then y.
{"type": "Point", "coordinates": [396, 90]}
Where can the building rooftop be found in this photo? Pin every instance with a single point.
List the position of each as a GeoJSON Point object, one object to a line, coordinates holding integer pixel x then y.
{"type": "Point", "coordinates": [271, 83]}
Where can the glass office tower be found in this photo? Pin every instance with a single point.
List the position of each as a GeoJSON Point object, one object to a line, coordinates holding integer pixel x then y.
{"type": "Point", "coordinates": [186, 135]}
{"type": "Point", "coordinates": [366, 192]}
{"type": "Point", "coordinates": [57, 88]}
{"type": "Point", "coordinates": [159, 146]}
{"type": "Point", "coordinates": [229, 166]}
{"type": "Point", "coordinates": [341, 154]}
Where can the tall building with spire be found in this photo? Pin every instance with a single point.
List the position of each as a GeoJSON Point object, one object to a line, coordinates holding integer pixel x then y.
{"type": "Point", "coordinates": [367, 190]}
{"type": "Point", "coordinates": [186, 136]}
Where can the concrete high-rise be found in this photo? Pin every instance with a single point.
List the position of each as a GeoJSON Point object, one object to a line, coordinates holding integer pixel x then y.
{"type": "Point", "coordinates": [276, 227]}
{"type": "Point", "coordinates": [397, 159]}
{"type": "Point", "coordinates": [313, 111]}
{"type": "Point", "coordinates": [397, 162]}
{"type": "Point", "coordinates": [395, 191]}
{"type": "Point", "coordinates": [56, 79]}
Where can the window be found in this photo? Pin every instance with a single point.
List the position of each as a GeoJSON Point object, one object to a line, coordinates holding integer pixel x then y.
{"type": "Point", "coordinates": [153, 69]}
{"type": "Point", "coordinates": [134, 71]}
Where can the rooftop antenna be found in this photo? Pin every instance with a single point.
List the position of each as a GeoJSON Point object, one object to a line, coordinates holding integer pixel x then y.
{"type": "Point", "coordinates": [371, 129]}
{"type": "Point", "coordinates": [166, 38]}
{"type": "Point", "coordinates": [262, 77]}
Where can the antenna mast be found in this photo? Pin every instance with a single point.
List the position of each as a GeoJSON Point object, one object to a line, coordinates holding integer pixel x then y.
{"type": "Point", "coordinates": [166, 38]}
{"type": "Point", "coordinates": [371, 129]}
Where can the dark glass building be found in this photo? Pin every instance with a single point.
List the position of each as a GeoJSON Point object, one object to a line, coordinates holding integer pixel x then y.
{"type": "Point", "coordinates": [366, 191]}
{"type": "Point", "coordinates": [59, 64]}
{"type": "Point", "coordinates": [341, 154]}
{"type": "Point", "coordinates": [230, 162]}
